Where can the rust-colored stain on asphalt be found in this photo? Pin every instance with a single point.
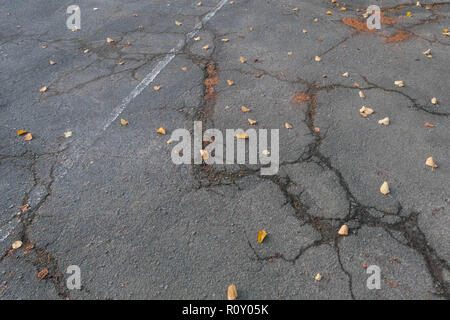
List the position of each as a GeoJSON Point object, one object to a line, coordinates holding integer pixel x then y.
{"type": "Point", "coordinates": [397, 37]}
{"type": "Point", "coordinates": [300, 98]}
{"type": "Point", "coordinates": [356, 24]}
{"type": "Point", "coordinates": [210, 82]}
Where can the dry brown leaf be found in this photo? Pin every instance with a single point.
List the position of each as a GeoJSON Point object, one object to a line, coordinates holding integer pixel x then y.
{"type": "Point", "coordinates": [429, 125]}
{"type": "Point", "coordinates": [156, 88]}
{"type": "Point", "coordinates": [28, 137]}
{"type": "Point", "coordinates": [120, 63]}
{"type": "Point", "coordinates": [362, 95]}
{"type": "Point", "coordinates": [109, 40]}
{"type": "Point", "coordinates": [24, 208]}
{"type": "Point", "coordinates": [52, 62]}
{"type": "Point", "coordinates": [206, 47]}
{"type": "Point", "coordinates": [242, 60]}
{"type": "Point", "coordinates": [345, 74]}
{"type": "Point", "coordinates": [42, 274]}
{"type": "Point", "coordinates": [329, 13]}
{"type": "Point", "coordinates": [123, 122]}
{"type": "Point", "coordinates": [343, 230]}
{"type": "Point", "coordinates": [289, 53]}
{"type": "Point", "coordinates": [197, 39]}
{"type": "Point", "coordinates": [430, 162]}
{"type": "Point", "coordinates": [232, 292]}
{"type": "Point", "coordinates": [250, 29]}
{"type": "Point", "coordinates": [43, 89]}
{"type": "Point", "coordinates": [364, 111]}
{"type": "Point", "coordinates": [384, 121]}
{"type": "Point", "coordinates": [427, 52]}
{"type": "Point", "coordinates": [17, 244]}
{"type": "Point", "coordinates": [318, 59]}
{"type": "Point", "coordinates": [399, 83]}
{"type": "Point", "coordinates": [316, 129]}
{"type": "Point", "coordinates": [384, 189]}
{"type": "Point", "coordinates": [244, 109]}
{"type": "Point", "coordinates": [127, 44]}
{"type": "Point", "coordinates": [230, 83]}
{"type": "Point", "coordinates": [161, 130]}
{"type": "Point", "coordinates": [287, 126]}
{"type": "Point", "coordinates": [252, 122]}
{"type": "Point", "coordinates": [261, 235]}
{"type": "Point", "coordinates": [21, 132]}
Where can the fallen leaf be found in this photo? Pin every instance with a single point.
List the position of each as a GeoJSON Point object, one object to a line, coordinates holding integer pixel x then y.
{"type": "Point", "coordinates": [250, 29]}
{"type": "Point", "coordinates": [361, 94]}
{"type": "Point", "coordinates": [316, 19]}
{"type": "Point", "coordinates": [316, 129]}
{"type": "Point", "coordinates": [266, 152]}
{"type": "Point", "coordinates": [261, 235]}
{"type": "Point", "coordinates": [43, 89]}
{"type": "Point", "coordinates": [364, 111]}
{"type": "Point", "coordinates": [429, 125]}
{"type": "Point", "coordinates": [86, 51]}
{"type": "Point", "coordinates": [127, 44]}
{"type": "Point", "coordinates": [287, 126]}
{"type": "Point", "coordinates": [289, 53]}
{"type": "Point", "coordinates": [252, 122]}
{"type": "Point", "coordinates": [109, 40]}
{"type": "Point", "coordinates": [318, 277]}
{"type": "Point", "coordinates": [345, 74]}
{"type": "Point", "coordinates": [199, 4]}
{"type": "Point", "coordinates": [329, 13]}
{"type": "Point", "coordinates": [156, 88]}
{"type": "Point", "coordinates": [305, 31]}
{"type": "Point", "coordinates": [28, 137]}
{"type": "Point", "coordinates": [123, 122]}
{"type": "Point", "coordinates": [343, 9]}
{"type": "Point", "coordinates": [427, 52]}
{"type": "Point", "coordinates": [242, 60]}
{"type": "Point", "coordinates": [197, 39]}
{"type": "Point", "coordinates": [42, 274]}
{"type": "Point", "coordinates": [161, 130]}
{"type": "Point", "coordinates": [399, 83]}
{"type": "Point", "coordinates": [16, 244]}
{"type": "Point", "coordinates": [52, 62]}
{"type": "Point", "coordinates": [343, 230]}
{"type": "Point", "coordinates": [184, 68]}
{"type": "Point", "coordinates": [295, 9]}
{"type": "Point", "coordinates": [409, 14]}
{"type": "Point", "coordinates": [318, 59]}
{"type": "Point", "coordinates": [44, 46]}
{"type": "Point", "coordinates": [24, 208]}
{"type": "Point", "coordinates": [67, 134]}
{"type": "Point", "coordinates": [204, 154]}
{"type": "Point", "coordinates": [206, 47]}
{"type": "Point", "coordinates": [384, 189]}
{"type": "Point", "coordinates": [430, 162]}
{"type": "Point", "coordinates": [241, 135]}
{"type": "Point", "coordinates": [232, 292]}
{"type": "Point", "coordinates": [384, 121]}
{"type": "Point", "coordinates": [225, 40]}
{"type": "Point", "coordinates": [230, 83]}
{"type": "Point", "coordinates": [356, 84]}
{"type": "Point", "coordinates": [120, 63]}
{"type": "Point", "coordinates": [433, 100]}
{"type": "Point", "coordinates": [21, 132]}
{"type": "Point", "coordinates": [178, 23]}
{"type": "Point", "coordinates": [244, 109]}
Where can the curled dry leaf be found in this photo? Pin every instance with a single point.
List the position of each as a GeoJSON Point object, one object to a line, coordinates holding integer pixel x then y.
{"type": "Point", "coordinates": [225, 40]}
{"type": "Point", "coordinates": [364, 111]}
{"type": "Point", "coordinates": [67, 134]}
{"type": "Point", "coordinates": [123, 122]}
{"type": "Point", "coordinates": [156, 88]}
{"type": "Point", "coordinates": [433, 100]}
{"type": "Point", "coordinates": [384, 121]}
{"type": "Point", "coordinates": [28, 137]}
{"type": "Point", "coordinates": [384, 189]}
{"type": "Point", "coordinates": [261, 235]}
{"type": "Point", "coordinates": [43, 89]}
{"type": "Point", "coordinates": [252, 122]}
{"type": "Point", "coordinates": [42, 274]}
{"type": "Point", "coordinates": [17, 244]}
{"type": "Point", "coordinates": [429, 125]}
{"type": "Point", "coordinates": [52, 62]}
{"type": "Point", "coordinates": [430, 162]}
{"type": "Point", "coordinates": [197, 39]}
{"type": "Point", "coordinates": [242, 135]}
{"type": "Point", "coordinates": [24, 208]}
{"type": "Point", "coordinates": [343, 230]}
{"type": "Point", "coordinates": [287, 126]}
{"type": "Point", "coordinates": [178, 23]}
{"type": "Point", "coordinates": [206, 47]}
{"type": "Point", "coordinates": [318, 277]}
{"type": "Point", "coordinates": [399, 83]}
{"type": "Point", "coordinates": [161, 131]}
{"type": "Point", "coordinates": [204, 154]}
{"type": "Point", "coordinates": [318, 59]}
{"type": "Point", "coordinates": [361, 94]}
{"type": "Point", "coordinates": [230, 83]}
{"type": "Point", "coordinates": [21, 132]}
{"type": "Point", "coordinates": [244, 109]}
{"type": "Point", "coordinates": [345, 74]}
{"type": "Point", "coordinates": [109, 40]}
{"type": "Point", "coordinates": [427, 52]}
{"type": "Point", "coordinates": [242, 60]}
{"type": "Point", "coordinates": [232, 292]}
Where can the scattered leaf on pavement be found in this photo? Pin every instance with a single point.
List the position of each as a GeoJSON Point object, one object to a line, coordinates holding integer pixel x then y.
{"type": "Point", "coordinates": [16, 244]}
{"type": "Point", "coordinates": [42, 274]}
{"type": "Point", "coordinates": [384, 121]}
{"type": "Point", "coordinates": [252, 122]}
{"type": "Point", "coordinates": [161, 130]}
{"type": "Point", "coordinates": [430, 162]}
{"type": "Point", "coordinates": [21, 132]}
{"type": "Point", "coordinates": [261, 235]}
{"type": "Point", "coordinates": [244, 109]}
{"type": "Point", "coordinates": [343, 230]}
{"type": "Point", "coordinates": [232, 292]}
{"type": "Point", "coordinates": [384, 189]}
{"type": "Point", "coordinates": [287, 126]}
{"type": "Point", "coordinates": [28, 137]}
{"type": "Point", "coordinates": [123, 122]}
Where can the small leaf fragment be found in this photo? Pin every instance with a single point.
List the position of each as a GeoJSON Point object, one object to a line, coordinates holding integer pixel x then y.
{"type": "Point", "coordinates": [197, 39]}
{"type": "Point", "coordinates": [433, 100]}
{"type": "Point", "coordinates": [42, 274]}
{"type": "Point", "coordinates": [364, 111]}
{"type": "Point", "coordinates": [156, 88]}
{"type": "Point", "coordinates": [43, 89]}
{"type": "Point", "coordinates": [261, 235]}
{"type": "Point", "coordinates": [430, 162]}
{"type": "Point", "coordinates": [204, 154]}
{"type": "Point", "coordinates": [17, 244]}
{"type": "Point", "coordinates": [52, 62]}
{"type": "Point", "coordinates": [242, 60]}
{"type": "Point", "coordinates": [399, 83]}
{"type": "Point", "coordinates": [252, 122]}
{"type": "Point", "coordinates": [161, 131]}
{"type": "Point", "coordinates": [384, 121]}
{"type": "Point", "coordinates": [345, 74]}
{"type": "Point", "coordinates": [429, 125]}
{"type": "Point", "coordinates": [28, 137]}
{"type": "Point", "coordinates": [242, 135]}
{"type": "Point", "coordinates": [109, 40]}
{"type": "Point", "coordinates": [427, 52]}
{"type": "Point", "coordinates": [343, 230]}
{"type": "Point", "coordinates": [244, 109]}
{"type": "Point", "coordinates": [206, 47]}
{"type": "Point", "coordinates": [266, 152]}
{"type": "Point", "coordinates": [178, 23]}
{"type": "Point", "coordinates": [230, 83]}
{"type": "Point", "coordinates": [21, 132]}
{"type": "Point", "coordinates": [318, 277]}
{"type": "Point", "coordinates": [287, 126]}
{"type": "Point", "coordinates": [318, 59]}
{"type": "Point", "coordinates": [232, 292]}
{"type": "Point", "coordinates": [184, 68]}
{"type": "Point", "coordinates": [225, 40]}
{"type": "Point", "coordinates": [361, 94]}
{"type": "Point", "coordinates": [67, 134]}
{"type": "Point", "coordinates": [384, 189]}
{"type": "Point", "coordinates": [123, 122]}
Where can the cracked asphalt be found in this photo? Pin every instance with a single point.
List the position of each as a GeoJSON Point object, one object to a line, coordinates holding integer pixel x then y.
{"type": "Point", "coordinates": [110, 200]}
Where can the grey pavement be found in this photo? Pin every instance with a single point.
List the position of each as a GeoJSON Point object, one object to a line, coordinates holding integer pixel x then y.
{"type": "Point", "coordinates": [110, 200]}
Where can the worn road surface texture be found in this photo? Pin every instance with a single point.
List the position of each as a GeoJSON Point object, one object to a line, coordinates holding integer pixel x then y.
{"type": "Point", "coordinates": [110, 200]}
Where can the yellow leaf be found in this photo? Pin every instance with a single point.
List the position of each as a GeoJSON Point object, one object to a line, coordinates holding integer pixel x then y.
{"type": "Point", "coordinates": [343, 9]}
{"type": "Point", "coordinates": [318, 277]}
{"type": "Point", "coordinates": [205, 47]}
{"type": "Point", "coordinates": [242, 59]}
{"type": "Point", "coordinates": [329, 13]}
{"type": "Point", "coordinates": [161, 131]}
{"type": "Point", "coordinates": [230, 83]}
{"type": "Point", "coordinates": [21, 132]}
{"type": "Point", "coordinates": [261, 235]}
{"type": "Point", "coordinates": [232, 292]}
{"type": "Point", "coordinates": [384, 121]}
{"type": "Point", "coordinates": [430, 162]}
{"type": "Point", "coordinates": [16, 244]}
{"type": "Point", "coordinates": [123, 122]}
{"type": "Point", "coordinates": [109, 40]}
{"type": "Point", "coordinates": [244, 109]}
{"type": "Point", "coordinates": [399, 83]}
{"type": "Point", "coordinates": [28, 137]}
{"type": "Point", "coordinates": [343, 230]}
{"type": "Point", "coordinates": [252, 122]}
{"type": "Point", "coordinates": [409, 14]}
{"type": "Point", "coordinates": [52, 62]}
{"type": "Point", "coordinates": [241, 135]}
{"type": "Point", "coordinates": [156, 88]}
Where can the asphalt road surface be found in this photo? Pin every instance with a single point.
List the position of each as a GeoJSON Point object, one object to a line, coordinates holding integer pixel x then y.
{"type": "Point", "coordinates": [87, 190]}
